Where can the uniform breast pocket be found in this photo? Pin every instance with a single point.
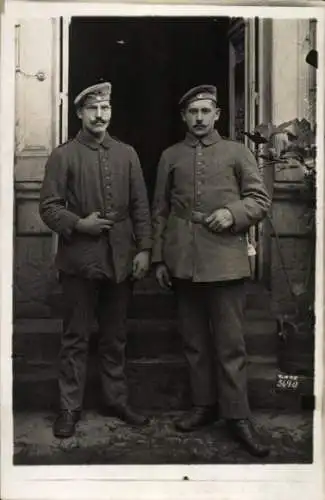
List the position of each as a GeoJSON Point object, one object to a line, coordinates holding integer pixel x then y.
{"type": "Point", "coordinates": [219, 172]}
{"type": "Point", "coordinates": [181, 175]}
{"type": "Point", "coordinates": [223, 185]}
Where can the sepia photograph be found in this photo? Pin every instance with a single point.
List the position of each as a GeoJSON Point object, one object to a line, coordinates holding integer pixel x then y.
{"type": "Point", "coordinates": [164, 240]}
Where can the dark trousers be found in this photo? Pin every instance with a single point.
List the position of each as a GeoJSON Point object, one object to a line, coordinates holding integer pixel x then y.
{"type": "Point", "coordinates": [86, 301]}
{"type": "Point", "coordinates": [211, 319]}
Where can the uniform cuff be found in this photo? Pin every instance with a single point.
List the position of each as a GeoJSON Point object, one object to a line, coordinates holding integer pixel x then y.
{"type": "Point", "coordinates": [144, 244]}
{"type": "Point", "coordinates": [240, 219]}
{"type": "Point", "coordinates": [69, 225]}
{"type": "Point", "coordinates": [156, 255]}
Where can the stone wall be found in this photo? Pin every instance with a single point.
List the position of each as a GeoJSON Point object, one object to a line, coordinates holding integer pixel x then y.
{"type": "Point", "coordinates": [292, 78]}
{"type": "Point", "coordinates": [291, 246]}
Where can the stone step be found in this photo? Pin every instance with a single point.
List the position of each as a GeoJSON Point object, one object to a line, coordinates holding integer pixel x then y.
{"type": "Point", "coordinates": [150, 284]}
{"type": "Point", "coordinates": [164, 305]}
{"type": "Point", "coordinates": [40, 338]}
{"type": "Point", "coordinates": [154, 383]}
{"type": "Point", "coordinates": [144, 306]}
{"type": "Point", "coordinates": [150, 301]}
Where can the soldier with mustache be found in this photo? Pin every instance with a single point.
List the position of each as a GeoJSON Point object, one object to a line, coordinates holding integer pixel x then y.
{"type": "Point", "coordinates": [94, 197]}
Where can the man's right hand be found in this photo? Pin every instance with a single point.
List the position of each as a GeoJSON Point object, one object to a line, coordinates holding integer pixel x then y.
{"type": "Point", "coordinates": [93, 224]}
{"type": "Point", "coordinates": [163, 276]}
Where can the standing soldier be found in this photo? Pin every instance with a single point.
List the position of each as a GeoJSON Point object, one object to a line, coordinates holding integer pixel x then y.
{"type": "Point", "coordinates": [208, 193]}
{"type": "Point", "coordinates": [94, 197]}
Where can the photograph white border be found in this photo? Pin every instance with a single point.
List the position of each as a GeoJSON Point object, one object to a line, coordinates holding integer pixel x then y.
{"type": "Point", "coordinates": [260, 482]}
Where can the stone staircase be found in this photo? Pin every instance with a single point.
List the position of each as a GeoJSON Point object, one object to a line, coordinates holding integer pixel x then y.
{"type": "Point", "coordinates": [156, 368]}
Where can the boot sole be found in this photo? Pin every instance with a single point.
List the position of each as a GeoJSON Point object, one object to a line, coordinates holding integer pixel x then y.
{"type": "Point", "coordinates": [196, 428]}
{"type": "Point", "coordinates": [111, 413]}
{"type": "Point", "coordinates": [250, 450]}
{"type": "Point", "coordinates": [134, 424]}
{"type": "Point", "coordinates": [255, 454]}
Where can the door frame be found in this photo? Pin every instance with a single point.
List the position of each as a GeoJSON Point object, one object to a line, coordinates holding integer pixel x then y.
{"type": "Point", "coordinates": [254, 35]}
{"type": "Point", "coordinates": [61, 78]}
{"type": "Point", "coordinates": [264, 115]}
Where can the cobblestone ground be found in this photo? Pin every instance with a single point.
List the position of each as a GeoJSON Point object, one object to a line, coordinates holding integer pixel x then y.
{"type": "Point", "coordinates": [105, 440]}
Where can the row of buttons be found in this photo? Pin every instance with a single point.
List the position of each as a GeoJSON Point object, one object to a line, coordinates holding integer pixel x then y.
{"type": "Point", "coordinates": [199, 166]}
{"type": "Point", "coordinates": [107, 183]}
{"type": "Point", "coordinates": [197, 204]}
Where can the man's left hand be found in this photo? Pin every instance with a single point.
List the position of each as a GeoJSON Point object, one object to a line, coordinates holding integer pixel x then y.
{"type": "Point", "coordinates": [220, 220]}
{"type": "Point", "coordinates": [141, 264]}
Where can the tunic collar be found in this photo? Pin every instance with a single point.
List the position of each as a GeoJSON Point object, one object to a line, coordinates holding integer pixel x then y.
{"type": "Point", "coordinates": [208, 140]}
{"type": "Point", "coordinates": [87, 139]}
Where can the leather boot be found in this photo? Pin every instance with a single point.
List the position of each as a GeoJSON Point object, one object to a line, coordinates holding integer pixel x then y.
{"type": "Point", "coordinates": [198, 417]}
{"type": "Point", "coordinates": [125, 413]}
{"type": "Point", "coordinates": [65, 423]}
{"type": "Point", "coordinates": [244, 431]}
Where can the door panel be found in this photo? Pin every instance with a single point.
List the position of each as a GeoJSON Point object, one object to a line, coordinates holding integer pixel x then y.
{"type": "Point", "coordinates": [35, 106]}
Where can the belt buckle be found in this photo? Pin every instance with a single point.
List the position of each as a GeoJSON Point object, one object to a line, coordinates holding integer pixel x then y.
{"type": "Point", "coordinates": [111, 215]}
{"type": "Point", "coordinates": [197, 217]}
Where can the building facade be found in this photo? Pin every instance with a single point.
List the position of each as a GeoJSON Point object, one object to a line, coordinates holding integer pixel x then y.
{"type": "Point", "coordinates": [265, 80]}
{"type": "Point", "coordinates": [259, 68]}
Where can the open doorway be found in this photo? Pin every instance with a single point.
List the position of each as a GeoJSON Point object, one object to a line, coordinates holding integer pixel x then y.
{"type": "Point", "coordinates": [150, 62]}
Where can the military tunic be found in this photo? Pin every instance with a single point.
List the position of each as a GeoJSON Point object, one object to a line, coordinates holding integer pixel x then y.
{"type": "Point", "coordinates": [82, 177]}
{"type": "Point", "coordinates": [194, 179]}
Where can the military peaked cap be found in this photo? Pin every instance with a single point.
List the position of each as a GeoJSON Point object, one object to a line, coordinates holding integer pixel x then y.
{"type": "Point", "coordinates": [198, 93]}
{"type": "Point", "coordinates": [95, 93]}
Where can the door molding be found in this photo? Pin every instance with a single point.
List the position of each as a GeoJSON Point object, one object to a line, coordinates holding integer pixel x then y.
{"type": "Point", "coordinates": [61, 89]}
{"type": "Point", "coordinates": [264, 115]}
{"type": "Point", "coordinates": [250, 41]}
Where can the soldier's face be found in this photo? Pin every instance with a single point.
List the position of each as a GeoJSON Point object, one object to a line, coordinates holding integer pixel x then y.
{"type": "Point", "coordinates": [200, 117]}
{"type": "Point", "coordinates": [95, 116]}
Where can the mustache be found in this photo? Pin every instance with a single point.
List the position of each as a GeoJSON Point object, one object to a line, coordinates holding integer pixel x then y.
{"type": "Point", "coordinates": [99, 121]}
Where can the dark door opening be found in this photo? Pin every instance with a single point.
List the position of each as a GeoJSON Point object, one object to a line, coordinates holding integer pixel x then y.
{"type": "Point", "coordinates": [150, 62]}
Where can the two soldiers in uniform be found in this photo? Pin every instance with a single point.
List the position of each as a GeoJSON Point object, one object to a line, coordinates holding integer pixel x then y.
{"type": "Point", "coordinates": [208, 193]}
